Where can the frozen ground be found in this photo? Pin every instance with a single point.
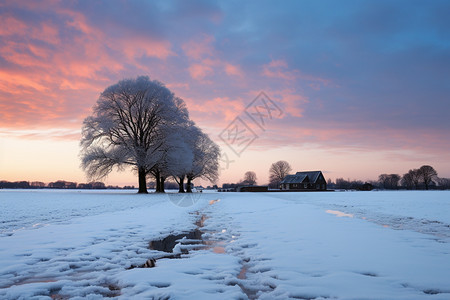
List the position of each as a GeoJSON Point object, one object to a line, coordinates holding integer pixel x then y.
{"type": "Point", "coordinates": [341, 245]}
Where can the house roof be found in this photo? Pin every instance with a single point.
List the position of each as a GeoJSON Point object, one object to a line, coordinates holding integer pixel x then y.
{"type": "Point", "coordinates": [300, 177]}
{"type": "Point", "coordinates": [293, 178]}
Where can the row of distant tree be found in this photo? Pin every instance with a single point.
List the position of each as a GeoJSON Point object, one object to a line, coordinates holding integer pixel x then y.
{"type": "Point", "coordinates": [60, 184]}
{"type": "Point", "coordinates": [277, 172]}
{"type": "Point", "coordinates": [423, 178]}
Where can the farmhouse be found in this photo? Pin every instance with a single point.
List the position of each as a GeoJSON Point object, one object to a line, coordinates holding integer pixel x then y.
{"type": "Point", "coordinates": [304, 181]}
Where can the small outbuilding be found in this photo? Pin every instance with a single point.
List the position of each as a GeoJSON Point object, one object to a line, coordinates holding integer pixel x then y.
{"type": "Point", "coordinates": [253, 188]}
{"type": "Point", "coordinates": [304, 181]}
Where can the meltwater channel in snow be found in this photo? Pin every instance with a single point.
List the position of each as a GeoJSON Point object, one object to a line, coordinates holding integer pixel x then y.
{"type": "Point", "coordinates": [117, 244]}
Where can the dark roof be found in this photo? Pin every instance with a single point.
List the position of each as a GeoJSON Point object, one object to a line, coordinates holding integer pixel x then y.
{"type": "Point", "coordinates": [293, 178]}
{"type": "Point", "coordinates": [300, 177]}
{"type": "Point", "coordinates": [312, 175]}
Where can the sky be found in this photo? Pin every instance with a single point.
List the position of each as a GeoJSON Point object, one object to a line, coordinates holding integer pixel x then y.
{"type": "Point", "coordinates": [352, 88]}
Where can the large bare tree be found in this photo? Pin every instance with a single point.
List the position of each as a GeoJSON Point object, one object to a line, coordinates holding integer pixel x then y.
{"type": "Point", "coordinates": [278, 171]}
{"type": "Point", "coordinates": [127, 128]}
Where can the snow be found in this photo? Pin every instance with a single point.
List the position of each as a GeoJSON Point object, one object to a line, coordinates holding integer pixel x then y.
{"type": "Point", "coordinates": [341, 245]}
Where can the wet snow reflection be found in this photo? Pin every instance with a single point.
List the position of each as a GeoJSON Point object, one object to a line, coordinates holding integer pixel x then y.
{"type": "Point", "coordinates": [339, 213]}
{"type": "Point", "coordinates": [435, 228]}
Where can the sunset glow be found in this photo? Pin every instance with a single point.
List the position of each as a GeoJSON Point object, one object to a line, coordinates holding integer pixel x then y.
{"type": "Point", "coordinates": [363, 86]}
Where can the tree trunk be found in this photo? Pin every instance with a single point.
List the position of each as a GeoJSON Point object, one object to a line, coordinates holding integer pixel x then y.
{"type": "Point", "coordinates": [188, 185]}
{"type": "Point", "coordinates": [142, 181]}
{"type": "Point", "coordinates": [163, 179]}
{"type": "Point", "coordinates": [181, 185]}
{"type": "Point", "coordinates": [158, 184]}
{"type": "Point", "coordinates": [156, 173]}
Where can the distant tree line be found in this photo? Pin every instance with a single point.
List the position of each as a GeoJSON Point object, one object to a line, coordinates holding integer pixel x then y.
{"type": "Point", "coordinates": [423, 178]}
{"type": "Point", "coordinates": [60, 184]}
{"type": "Point", "coordinates": [277, 172]}
{"type": "Point", "coordinates": [348, 184]}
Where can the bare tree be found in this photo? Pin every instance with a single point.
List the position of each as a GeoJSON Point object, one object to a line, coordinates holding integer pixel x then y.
{"type": "Point", "coordinates": [415, 177]}
{"type": "Point", "coordinates": [249, 178]}
{"type": "Point", "coordinates": [394, 180]}
{"type": "Point", "coordinates": [278, 171]}
{"type": "Point", "coordinates": [427, 174]}
{"type": "Point", "coordinates": [389, 181]}
{"type": "Point", "coordinates": [127, 126]}
{"type": "Point", "coordinates": [407, 181]}
{"type": "Point", "coordinates": [444, 183]}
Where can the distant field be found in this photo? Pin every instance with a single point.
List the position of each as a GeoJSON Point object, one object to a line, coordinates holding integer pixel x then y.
{"type": "Point", "coordinates": [344, 245]}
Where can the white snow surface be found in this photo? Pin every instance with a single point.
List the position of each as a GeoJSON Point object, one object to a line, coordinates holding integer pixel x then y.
{"type": "Point", "coordinates": [324, 245]}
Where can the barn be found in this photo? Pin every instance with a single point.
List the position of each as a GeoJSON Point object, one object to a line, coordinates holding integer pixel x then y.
{"type": "Point", "coordinates": [304, 181]}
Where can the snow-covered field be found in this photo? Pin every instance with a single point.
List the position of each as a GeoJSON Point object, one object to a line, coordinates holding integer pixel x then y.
{"type": "Point", "coordinates": [338, 245]}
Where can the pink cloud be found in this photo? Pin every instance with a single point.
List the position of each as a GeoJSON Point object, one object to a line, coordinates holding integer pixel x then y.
{"type": "Point", "coordinates": [292, 101]}
{"type": "Point", "coordinates": [11, 26]}
{"type": "Point", "coordinates": [206, 61]}
{"type": "Point", "coordinates": [14, 82]}
{"type": "Point", "coordinates": [233, 70]}
{"type": "Point", "coordinates": [46, 32]}
{"type": "Point", "coordinates": [210, 66]}
{"type": "Point", "coordinates": [200, 71]}
{"type": "Point", "coordinates": [50, 82]}
{"type": "Point", "coordinates": [216, 112]}
{"type": "Point", "coordinates": [199, 48]}
{"type": "Point", "coordinates": [138, 46]}
{"type": "Point", "coordinates": [280, 69]}
{"type": "Point", "coordinates": [77, 21]}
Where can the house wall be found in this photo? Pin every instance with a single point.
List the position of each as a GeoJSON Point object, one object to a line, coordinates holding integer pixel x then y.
{"type": "Point", "coordinates": [253, 189]}
{"type": "Point", "coordinates": [322, 186]}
